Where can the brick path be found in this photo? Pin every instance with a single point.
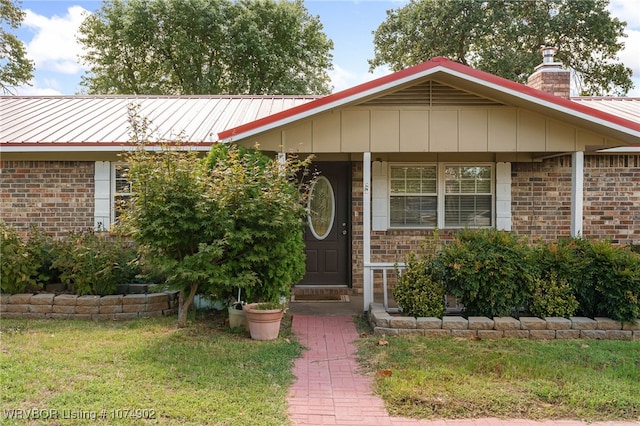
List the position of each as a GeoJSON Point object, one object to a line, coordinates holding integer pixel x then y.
{"type": "Point", "coordinates": [329, 391]}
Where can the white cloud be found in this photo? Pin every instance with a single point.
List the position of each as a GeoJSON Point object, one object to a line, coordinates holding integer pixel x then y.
{"type": "Point", "coordinates": [54, 46]}
{"type": "Point", "coordinates": [343, 79]}
{"type": "Point", "coordinates": [37, 90]}
{"type": "Point", "coordinates": [627, 11]}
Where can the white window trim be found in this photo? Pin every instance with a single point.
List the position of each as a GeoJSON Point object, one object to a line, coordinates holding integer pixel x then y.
{"type": "Point", "coordinates": [440, 169]}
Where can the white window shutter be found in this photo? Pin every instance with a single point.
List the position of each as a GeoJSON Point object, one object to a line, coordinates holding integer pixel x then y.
{"type": "Point", "coordinates": [102, 196]}
{"type": "Point", "coordinates": [503, 196]}
{"type": "Point", "coordinates": [380, 196]}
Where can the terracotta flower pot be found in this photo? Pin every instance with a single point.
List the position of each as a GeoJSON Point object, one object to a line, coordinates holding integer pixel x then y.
{"type": "Point", "coordinates": [264, 324]}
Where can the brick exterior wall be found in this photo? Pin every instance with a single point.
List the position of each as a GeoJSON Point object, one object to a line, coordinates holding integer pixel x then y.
{"type": "Point", "coordinates": [541, 198]}
{"type": "Point", "coordinates": [57, 196]}
{"type": "Point", "coordinates": [612, 198]}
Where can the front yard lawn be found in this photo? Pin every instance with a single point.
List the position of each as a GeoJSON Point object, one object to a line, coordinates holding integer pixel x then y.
{"type": "Point", "coordinates": [455, 378]}
{"type": "Point", "coordinates": [150, 369]}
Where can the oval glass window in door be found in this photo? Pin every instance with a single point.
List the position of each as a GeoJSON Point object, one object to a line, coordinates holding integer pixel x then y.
{"type": "Point", "coordinates": [322, 208]}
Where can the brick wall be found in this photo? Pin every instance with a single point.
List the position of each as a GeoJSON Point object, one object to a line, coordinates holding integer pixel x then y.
{"type": "Point", "coordinates": [541, 198]}
{"type": "Point", "coordinates": [55, 195]}
{"type": "Point", "coordinates": [612, 198]}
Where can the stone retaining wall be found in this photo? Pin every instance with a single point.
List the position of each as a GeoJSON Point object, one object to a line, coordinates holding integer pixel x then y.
{"type": "Point", "coordinates": [502, 327]}
{"type": "Point", "coordinates": [68, 306]}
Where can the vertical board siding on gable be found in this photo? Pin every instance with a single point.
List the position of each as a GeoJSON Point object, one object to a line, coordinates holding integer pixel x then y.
{"type": "Point", "coordinates": [57, 196]}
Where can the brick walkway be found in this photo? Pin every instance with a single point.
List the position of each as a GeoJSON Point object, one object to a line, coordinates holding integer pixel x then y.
{"type": "Point", "coordinates": [329, 391]}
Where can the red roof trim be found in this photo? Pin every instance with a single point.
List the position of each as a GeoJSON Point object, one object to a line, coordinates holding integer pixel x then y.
{"type": "Point", "coordinates": [101, 144]}
{"type": "Point", "coordinates": [445, 64]}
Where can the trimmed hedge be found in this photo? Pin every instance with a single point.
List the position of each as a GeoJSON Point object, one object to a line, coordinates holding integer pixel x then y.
{"type": "Point", "coordinates": [497, 273]}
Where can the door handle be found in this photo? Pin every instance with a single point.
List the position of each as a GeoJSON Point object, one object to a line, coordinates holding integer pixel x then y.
{"type": "Point", "coordinates": [344, 232]}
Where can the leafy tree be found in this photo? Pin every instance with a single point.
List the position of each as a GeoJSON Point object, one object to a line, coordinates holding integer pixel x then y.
{"type": "Point", "coordinates": [213, 225]}
{"type": "Point", "coordinates": [15, 67]}
{"type": "Point", "coordinates": [504, 38]}
{"type": "Point", "coordinates": [185, 47]}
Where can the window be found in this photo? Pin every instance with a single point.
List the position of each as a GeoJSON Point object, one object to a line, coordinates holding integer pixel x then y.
{"type": "Point", "coordinates": [468, 196]}
{"type": "Point", "coordinates": [413, 192]}
{"type": "Point", "coordinates": [121, 190]}
{"type": "Point", "coordinates": [440, 195]}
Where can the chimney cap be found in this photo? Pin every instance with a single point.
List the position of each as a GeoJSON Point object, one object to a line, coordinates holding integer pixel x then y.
{"type": "Point", "coordinates": [548, 54]}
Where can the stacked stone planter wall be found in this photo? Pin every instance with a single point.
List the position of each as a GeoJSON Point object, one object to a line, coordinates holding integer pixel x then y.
{"type": "Point", "coordinates": [67, 306]}
{"type": "Point", "coordinates": [502, 327]}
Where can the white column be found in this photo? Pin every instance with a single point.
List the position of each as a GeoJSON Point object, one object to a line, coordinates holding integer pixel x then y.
{"type": "Point", "coordinates": [503, 196]}
{"type": "Point", "coordinates": [366, 229]}
{"type": "Point", "coordinates": [577, 192]}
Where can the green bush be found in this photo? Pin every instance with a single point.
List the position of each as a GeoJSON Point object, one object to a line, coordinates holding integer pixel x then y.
{"type": "Point", "coordinates": [489, 271]}
{"type": "Point", "coordinates": [95, 263]}
{"type": "Point", "coordinates": [18, 267]}
{"type": "Point", "coordinates": [44, 250]}
{"type": "Point", "coordinates": [416, 292]}
{"type": "Point", "coordinates": [609, 283]}
{"type": "Point", "coordinates": [552, 297]}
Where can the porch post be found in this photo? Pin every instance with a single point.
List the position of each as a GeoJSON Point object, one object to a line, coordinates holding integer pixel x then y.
{"type": "Point", "coordinates": [577, 192]}
{"type": "Point", "coordinates": [366, 229]}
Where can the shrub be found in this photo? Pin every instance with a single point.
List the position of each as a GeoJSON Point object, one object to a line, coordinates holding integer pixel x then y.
{"type": "Point", "coordinates": [44, 250]}
{"type": "Point", "coordinates": [552, 297]}
{"type": "Point", "coordinates": [18, 267]}
{"type": "Point", "coordinates": [489, 271]}
{"type": "Point", "coordinates": [417, 292]}
{"type": "Point", "coordinates": [92, 263]}
{"type": "Point", "coordinates": [609, 282]}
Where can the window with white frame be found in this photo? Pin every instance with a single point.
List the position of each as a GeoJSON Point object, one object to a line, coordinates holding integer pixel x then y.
{"type": "Point", "coordinates": [413, 196]}
{"type": "Point", "coordinates": [441, 195]}
{"type": "Point", "coordinates": [121, 190]}
{"type": "Point", "coordinates": [468, 197]}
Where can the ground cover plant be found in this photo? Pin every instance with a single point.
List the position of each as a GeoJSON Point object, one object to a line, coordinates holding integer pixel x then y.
{"type": "Point", "coordinates": [455, 378]}
{"type": "Point", "coordinates": [199, 375]}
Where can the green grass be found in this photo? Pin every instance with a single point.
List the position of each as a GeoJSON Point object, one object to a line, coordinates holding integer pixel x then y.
{"type": "Point", "coordinates": [200, 375]}
{"type": "Point", "coordinates": [455, 378]}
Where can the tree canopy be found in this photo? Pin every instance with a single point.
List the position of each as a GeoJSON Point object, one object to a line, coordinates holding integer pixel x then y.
{"type": "Point", "coordinates": [504, 38]}
{"type": "Point", "coordinates": [15, 67]}
{"type": "Point", "coordinates": [185, 47]}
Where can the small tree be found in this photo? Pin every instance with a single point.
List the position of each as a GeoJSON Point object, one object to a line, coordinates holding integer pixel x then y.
{"type": "Point", "coordinates": [212, 226]}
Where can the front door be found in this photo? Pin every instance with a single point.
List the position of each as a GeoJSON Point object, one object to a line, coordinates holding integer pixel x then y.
{"type": "Point", "coordinates": [327, 235]}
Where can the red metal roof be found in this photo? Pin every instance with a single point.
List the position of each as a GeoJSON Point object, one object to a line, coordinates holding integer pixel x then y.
{"type": "Point", "coordinates": [438, 65]}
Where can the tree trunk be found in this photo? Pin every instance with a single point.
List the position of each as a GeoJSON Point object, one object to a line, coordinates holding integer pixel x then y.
{"type": "Point", "coordinates": [183, 305]}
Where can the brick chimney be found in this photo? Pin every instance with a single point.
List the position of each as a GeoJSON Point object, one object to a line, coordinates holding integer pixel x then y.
{"type": "Point", "coordinates": [550, 76]}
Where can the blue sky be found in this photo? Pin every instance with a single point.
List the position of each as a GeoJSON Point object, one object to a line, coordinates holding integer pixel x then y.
{"type": "Point", "coordinates": [50, 26]}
